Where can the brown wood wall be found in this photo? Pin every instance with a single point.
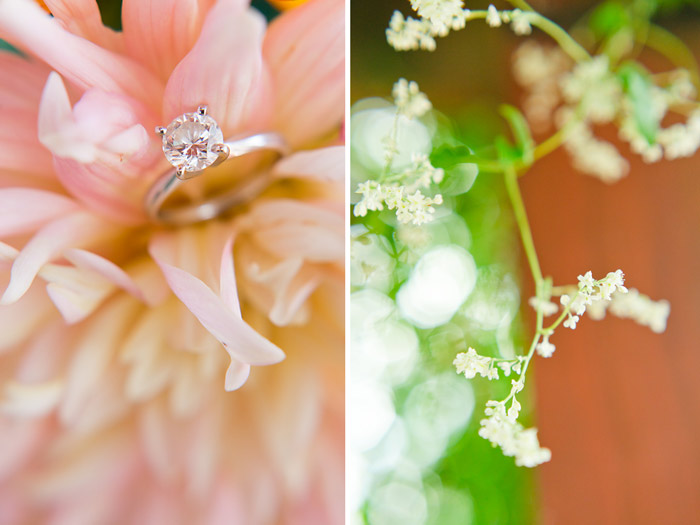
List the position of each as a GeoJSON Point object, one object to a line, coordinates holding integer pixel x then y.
{"type": "Point", "coordinates": [619, 405]}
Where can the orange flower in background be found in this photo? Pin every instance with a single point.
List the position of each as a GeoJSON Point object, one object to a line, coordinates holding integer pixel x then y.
{"type": "Point", "coordinates": [120, 338]}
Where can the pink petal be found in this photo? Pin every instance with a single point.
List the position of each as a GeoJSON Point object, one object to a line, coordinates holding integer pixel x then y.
{"type": "Point", "coordinates": [22, 81]}
{"type": "Point", "coordinates": [225, 71]}
{"type": "Point", "coordinates": [290, 228]}
{"type": "Point", "coordinates": [324, 164]}
{"type": "Point", "coordinates": [82, 18]}
{"type": "Point", "coordinates": [236, 375]}
{"type": "Point", "coordinates": [20, 149]}
{"type": "Point", "coordinates": [160, 41]}
{"type": "Point", "coordinates": [309, 75]}
{"type": "Point", "coordinates": [227, 278]}
{"type": "Point", "coordinates": [239, 339]}
{"type": "Point", "coordinates": [23, 210]}
{"type": "Point", "coordinates": [92, 262]}
{"type": "Point", "coordinates": [24, 24]}
{"type": "Point", "coordinates": [103, 190]}
{"type": "Point", "coordinates": [21, 320]}
{"type": "Point", "coordinates": [69, 231]}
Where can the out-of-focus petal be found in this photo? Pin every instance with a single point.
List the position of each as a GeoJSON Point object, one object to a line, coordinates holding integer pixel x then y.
{"type": "Point", "coordinates": [93, 355]}
{"type": "Point", "coordinates": [30, 400]}
{"type": "Point", "coordinates": [224, 70]}
{"type": "Point", "coordinates": [86, 260]}
{"type": "Point", "coordinates": [290, 228]}
{"type": "Point", "coordinates": [22, 82]}
{"type": "Point", "coordinates": [160, 32]}
{"type": "Point", "coordinates": [28, 27]}
{"type": "Point", "coordinates": [324, 164]}
{"type": "Point", "coordinates": [23, 210]}
{"type": "Point", "coordinates": [305, 49]}
{"type": "Point", "coordinates": [20, 149]}
{"type": "Point", "coordinates": [70, 231]}
{"type": "Point", "coordinates": [82, 18]}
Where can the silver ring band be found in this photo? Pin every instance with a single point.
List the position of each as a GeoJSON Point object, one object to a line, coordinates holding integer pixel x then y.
{"type": "Point", "coordinates": [243, 192]}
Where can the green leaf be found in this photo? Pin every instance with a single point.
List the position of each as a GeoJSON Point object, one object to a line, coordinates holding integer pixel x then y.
{"type": "Point", "coordinates": [608, 19]}
{"type": "Point", "coordinates": [459, 180]}
{"type": "Point", "coordinates": [507, 153]}
{"type": "Point", "coordinates": [446, 157]}
{"type": "Point", "coordinates": [637, 85]}
{"type": "Point", "coordinates": [521, 132]}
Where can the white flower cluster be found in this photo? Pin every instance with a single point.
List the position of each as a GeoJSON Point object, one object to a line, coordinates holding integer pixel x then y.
{"type": "Point", "coordinates": [502, 429]}
{"type": "Point", "coordinates": [593, 93]}
{"type": "Point", "coordinates": [414, 207]}
{"type": "Point", "coordinates": [421, 172]}
{"type": "Point", "coordinates": [437, 18]}
{"type": "Point", "coordinates": [519, 21]}
{"type": "Point", "coordinates": [409, 99]}
{"type": "Point", "coordinates": [593, 156]}
{"type": "Point", "coordinates": [636, 306]}
{"type": "Point", "coordinates": [538, 68]}
{"type": "Point", "coordinates": [590, 291]}
{"type": "Point", "coordinates": [472, 364]}
{"type": "Point", "coordinates": [443, 15]}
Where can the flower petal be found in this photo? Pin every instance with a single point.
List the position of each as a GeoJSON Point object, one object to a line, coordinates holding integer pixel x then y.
{"type": "Point", "coordinates": [239, 339]}
{"type": "Point", "coordinates": [69, 231]}
{"type": "Point", "coordinates": [92, 262]}
{"type": "Point", "coordinates": [225, 71]}
{"type": "Point", "coordinates": [305, 49]}
{"type": "Point", "coordinates": [82, 18]}
{"type": "Point", "coordinates": [227, 279]}
{"type": "Point", "coordinates": [324, 164]}
{"type": "Point", "coordinates": [25, 25]}
{"type": "Point", "coordinates": [236, 375]}
{"type": "Point", "coordinates": [290, 228]}
{"type": "Point", "coordinates": [23, 210]}
{"type": "Point", "coordinates": [160, 42]}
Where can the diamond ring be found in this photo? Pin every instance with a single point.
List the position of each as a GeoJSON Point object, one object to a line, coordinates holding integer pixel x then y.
{"type": "Point", "coordinates": [193, 143]}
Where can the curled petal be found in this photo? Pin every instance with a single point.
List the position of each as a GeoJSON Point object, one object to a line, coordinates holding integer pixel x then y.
{"type": "Point", "coordinates": [309, 75]}
{"type": "Point", "coordinates": [24, 24]}
{"type": "Point", "coordinates": [225, 71]}
{"type": "Point", "coordinates": [236, 375]}
{"type": "Point", "coordinates": [239, 339]}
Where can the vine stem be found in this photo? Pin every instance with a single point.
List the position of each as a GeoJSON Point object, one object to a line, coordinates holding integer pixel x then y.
{"type": "Point", "coordinates": [516, 201]}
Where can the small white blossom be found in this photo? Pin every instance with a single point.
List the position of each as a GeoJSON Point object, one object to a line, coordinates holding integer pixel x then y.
{"type": "Point", "coordinates": [570, 322]}
{"type": "Point", "coordinates": [545, 348]}
{"type": "Point", "coordinates": [409, 100]}
{"type": "Point", "coordinates": [442, 14]}
{"type": "Point", "coordinates": [472, 364]}
{"type": "Point", "coordinates": [636, 306]}
{"type": "Point", "coordinates": [520, 22]}
{"type": "Point", "coordinates": [493, 17]}
{"type": "Point", "coordinates": [593, 156]}
{"type": "Point", "coordinates": [372, 197]}
{"type": "Point", "coordinates": [404, 34]}
{"type": "Point", "coordinates": [502, 429]}
{"type": "Point", "coordinates": [540, 305]}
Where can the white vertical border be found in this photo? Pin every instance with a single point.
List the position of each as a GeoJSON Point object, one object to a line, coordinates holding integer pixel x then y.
{"type": "Point", "coordinates": [347, 248]}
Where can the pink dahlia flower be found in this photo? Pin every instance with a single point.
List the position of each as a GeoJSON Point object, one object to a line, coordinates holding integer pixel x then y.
{"type": "Point", "coordinates": [126, 389]}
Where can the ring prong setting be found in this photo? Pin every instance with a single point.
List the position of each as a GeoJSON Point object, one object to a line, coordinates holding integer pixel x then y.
{"type": "Point", "coordinates": [160, 130]}
{"type": "Point", "coordinates": [202, 110]}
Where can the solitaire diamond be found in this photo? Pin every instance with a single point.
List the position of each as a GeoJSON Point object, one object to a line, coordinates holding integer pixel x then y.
{"type": "Point", "coordinates": [189, 140]}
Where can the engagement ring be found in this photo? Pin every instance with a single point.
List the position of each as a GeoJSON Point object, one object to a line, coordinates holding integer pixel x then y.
{"type": "Point", "coordinates": [192, 143]}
